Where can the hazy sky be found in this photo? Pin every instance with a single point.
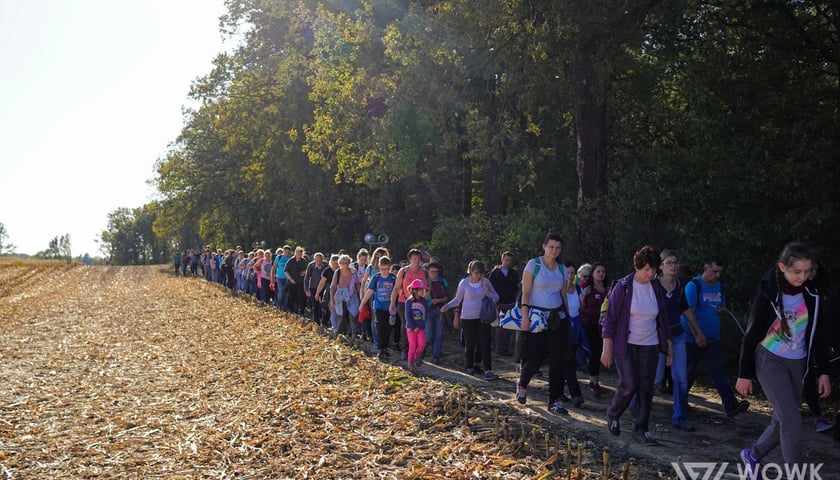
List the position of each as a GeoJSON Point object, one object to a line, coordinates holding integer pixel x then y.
{"type": "Point", "coordinates": [91, 93]}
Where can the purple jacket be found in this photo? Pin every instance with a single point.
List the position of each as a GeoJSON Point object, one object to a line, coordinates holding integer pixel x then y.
{"type": "Point", "coordinates": [617, 322]}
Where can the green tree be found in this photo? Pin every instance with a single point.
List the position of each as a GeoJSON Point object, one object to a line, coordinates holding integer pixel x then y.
{"type": "Point", "coordinates": [5, 247]}
{"type": "Point", "coordinates": [129, 238]}
{"type": "Point", "coordinates": [60, 248]}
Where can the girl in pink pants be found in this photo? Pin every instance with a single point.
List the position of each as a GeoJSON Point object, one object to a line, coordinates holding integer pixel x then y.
{"type": "Point", "coordinates": [415, 322]}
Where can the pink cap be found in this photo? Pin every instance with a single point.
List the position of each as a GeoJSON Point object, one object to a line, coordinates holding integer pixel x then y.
{"type": "Point", "coordinates": [417, 283]}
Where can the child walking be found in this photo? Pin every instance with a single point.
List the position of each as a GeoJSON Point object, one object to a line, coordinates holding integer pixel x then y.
{"type": "Point", "coordinates": [784, 339]}
{"type": "Point", "coordinates": [415, 322]}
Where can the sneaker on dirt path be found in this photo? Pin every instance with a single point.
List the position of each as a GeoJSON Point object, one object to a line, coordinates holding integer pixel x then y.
{"type": "Point", "coordinates": [751, 465]}
{"type": "Point", "coordinates": [557, 408]}
{"type": "Point", "coordinates": [742, 406]}
{"type": "Point", "coordinates": [684, 426]}
{"type": "Point", "coordinates": [521, 394]}
{"type": "Point", "coordinates": [822, 424]}
{"type": "Point", "coordinates": [614, 426]}
{"type": "Point", "coordinates": [645, 438]}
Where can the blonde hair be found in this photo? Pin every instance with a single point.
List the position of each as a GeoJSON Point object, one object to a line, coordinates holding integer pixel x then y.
{"type": "Point", "coordinates": [585, 270]}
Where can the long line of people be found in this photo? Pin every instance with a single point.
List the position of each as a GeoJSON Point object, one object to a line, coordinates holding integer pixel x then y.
{"type": "Point", "coordinates": [655, 325]}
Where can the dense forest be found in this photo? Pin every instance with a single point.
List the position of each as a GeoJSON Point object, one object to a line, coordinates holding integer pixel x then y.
{"type": "Point", "coordinates": [476, 127]}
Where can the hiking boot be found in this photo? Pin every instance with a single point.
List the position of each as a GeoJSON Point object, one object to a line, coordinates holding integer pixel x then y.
{"type": "Point", "coordinates": [614, 426]}
{"type": "Point", "coordinates": [596, 389]}
{"type": "Point", "coordinates": [577, 401]}
{"type": "Point", "coordinates": [645, 438]}
{"type": "Point", "coordinates": [521, 394]}
{"type": "Point", "coordinates": [751, 465]}
{"type": "Point", "coordinates": [557, 408]}
{"type": "Point", "coordinates": [741, 407]}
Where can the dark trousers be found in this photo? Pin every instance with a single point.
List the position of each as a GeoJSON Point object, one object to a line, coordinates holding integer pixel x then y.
{"type": "Point", "coordinates": [712, 353]}
{"type": "Point", "coordinates": [570, 373]}
{"type": "Point", "coordinates": [297, 300]}
{"type": "Point", "coordinates": [315, 306]}
{"type": "Point", "coordinates": [383, 328]}
{"type": "Point", "coordinates": [503, 340]}
{"type": "Point", "coordinates": [266, 290]}
{"type": "Point", "coordinates": [636, 372]}
{"type": "Point", "coordinates": [596, 345]}
{"type": "Point", "coordinates": [476, 337]}
{"type": "Point", "coordinates": [400, 338]}
{"type": "Point", "coordinates": [551, 344]}
{"type": "Point", "coordinates": [809, 391]}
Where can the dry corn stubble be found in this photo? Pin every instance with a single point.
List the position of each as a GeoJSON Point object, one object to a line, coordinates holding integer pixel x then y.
{"type": "Point", "coordinates": [130, 372]}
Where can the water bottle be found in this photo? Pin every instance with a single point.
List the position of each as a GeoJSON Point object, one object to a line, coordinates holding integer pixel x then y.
{"type": "Point", "coordinates": [392, 320]}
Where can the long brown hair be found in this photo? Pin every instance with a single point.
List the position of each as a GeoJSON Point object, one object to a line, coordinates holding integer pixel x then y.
{"type": "Point", "coordinates": [792, 252]}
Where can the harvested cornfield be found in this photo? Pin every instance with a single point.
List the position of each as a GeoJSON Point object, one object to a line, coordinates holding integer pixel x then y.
{"type": "Point", "coordinates": [132, 372]}
{"type": "Point", "coordinates": [114, 372]}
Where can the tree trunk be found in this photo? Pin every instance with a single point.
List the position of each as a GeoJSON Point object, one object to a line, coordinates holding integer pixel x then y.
{"type": "Point", "coordinates": [466, 168]}
{"type": "Point", "coordinates": [492, 199]}
{"type": "Point", "coordinates": [590, 128]}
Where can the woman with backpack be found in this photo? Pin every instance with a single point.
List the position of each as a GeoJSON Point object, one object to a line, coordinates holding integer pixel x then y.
{"type": "Point", "coordinates": [543, 304]}
{"type": "Point", "coordinates": [786, 336]}
{"type": "Point", "coordinates": [468, 298]}
{"type": "Point", "coordinates": [635, 331]}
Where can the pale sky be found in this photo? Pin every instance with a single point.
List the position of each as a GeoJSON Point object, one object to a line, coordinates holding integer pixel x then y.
{"type": "Point", "coordinates": [91, 93]}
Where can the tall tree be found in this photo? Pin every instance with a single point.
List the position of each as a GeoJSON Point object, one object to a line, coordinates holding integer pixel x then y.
{"type": "Point", "coordinates": [5, 248]}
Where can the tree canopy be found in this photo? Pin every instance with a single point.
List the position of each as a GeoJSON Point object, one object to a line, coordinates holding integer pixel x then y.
{"type": "Point", "coordinates": [477, 127]}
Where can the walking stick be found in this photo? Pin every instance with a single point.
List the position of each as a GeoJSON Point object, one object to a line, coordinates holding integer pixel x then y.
{"type": "Point", "coordinates": [743, 332]}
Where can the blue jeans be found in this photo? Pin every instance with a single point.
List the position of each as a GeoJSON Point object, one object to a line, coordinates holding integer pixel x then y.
{"type": "Point", "coordinates": [280, 293]}
{"type": "Point", "coordinates": [679, 375]}
{"type": "Point", "coordinates": [713, 356]}
{"type": "Point", "coordinates": [434, 331]}
{"type": "Point", "coordinates": [333, 320]}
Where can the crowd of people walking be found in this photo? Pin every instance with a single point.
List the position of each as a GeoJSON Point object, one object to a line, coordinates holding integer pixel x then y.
{"type": "Point", "coordinates": [655, 324]}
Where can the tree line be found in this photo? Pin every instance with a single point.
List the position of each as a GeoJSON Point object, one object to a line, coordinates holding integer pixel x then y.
{"type": "Point", "coordinates": [477, 127]}
{"type": "Point", "coordinates": [60, 248]}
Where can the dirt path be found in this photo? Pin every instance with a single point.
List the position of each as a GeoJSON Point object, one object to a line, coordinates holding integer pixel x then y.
{"type": "Point", "coordinates": [134, 373]}
{"type": "Point", "coordinates": [718, 438]}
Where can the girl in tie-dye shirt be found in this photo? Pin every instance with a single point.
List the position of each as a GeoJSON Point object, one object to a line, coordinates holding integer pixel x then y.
{"type": "Point", "coordinates": [784, 339]}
